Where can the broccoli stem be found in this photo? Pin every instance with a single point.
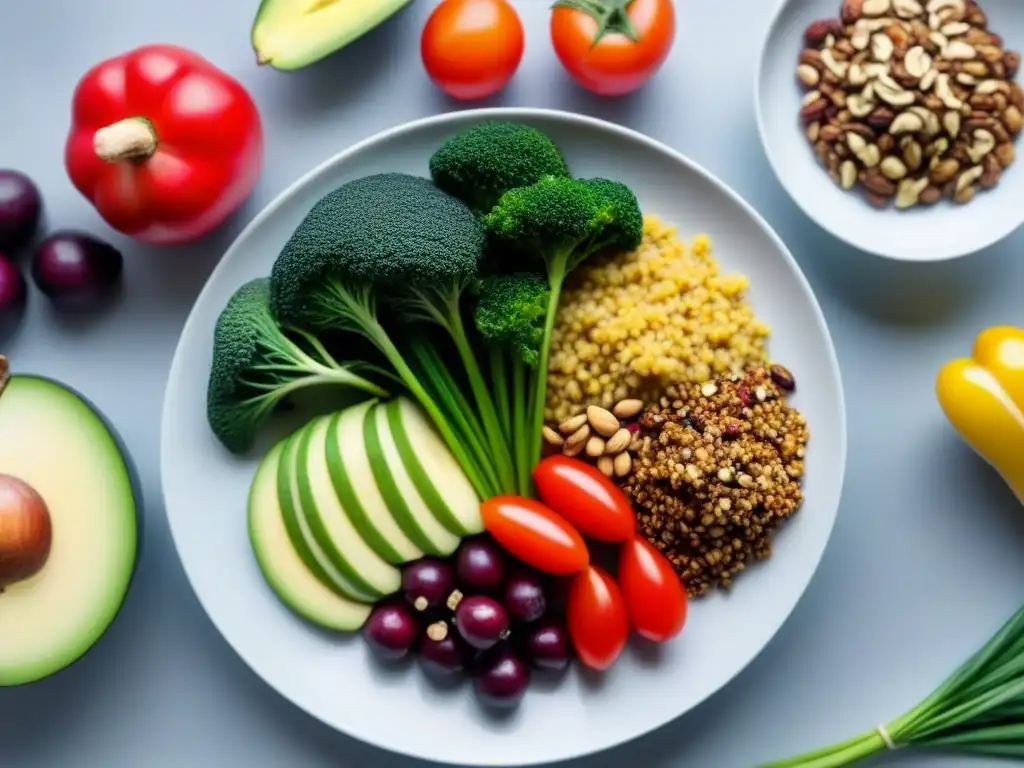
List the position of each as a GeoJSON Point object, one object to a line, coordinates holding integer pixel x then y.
{"type": "Point", "coordinates": [557, 270]}
{"type": "Point", "coordinates": [500, 394]}
{"type": "Point", "coordinates": [519, 411]}
{"type": "Point", "coordinates": [485, 404]}
{"type": "Point", "coordinates": [458, 411]}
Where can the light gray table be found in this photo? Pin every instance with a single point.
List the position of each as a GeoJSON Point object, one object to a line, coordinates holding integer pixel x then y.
{"type": "Point", "coordinates": [926, 559]}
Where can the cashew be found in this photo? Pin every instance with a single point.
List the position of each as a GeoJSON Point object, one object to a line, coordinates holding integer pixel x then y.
{"type": "Point", "coordinates": [951, 122]}
{"type": "Point", "coordinates": [875, 7]}
{"type": "Point", "coordinates": [984, 142]}
{"type": "Point", "coordinates": [955, 28]}
{"type": "Point", "coordinates": [882, 47]}
{"type": "Point", "coordinates": [939, 40]}
{"type": "Point", "coordinates": [871, 156]}
{"type": "Point", "coordinates": [861, 104]}
{"type": "Point", "coordinates": [872, 25]}
{"type": "Point", "coordinates": [893, 168]}
{"type": "Point", "coordinates": [946, 6]}
{"type": "Point", "coordinates": [945, 92]}
{"type": "Point", "coordinates": [929, 118]}
{"type": "Point", "coordinates": [917, 62]}
{"type": "Point", "coordinates": [987, 86]}
{"type": "Point", "coordinates": [891, 92]}
{"type": "Point", "coordinates": [860, 40]}
{"type": "Point", "coordinates": [958, 50]}
{"type": "Point", "coordinates": [909, 191]}
{"type": "Point", "coordinates": [907, 122]}
{"type": "Point", "coordinates": [837, 68]}
{"type": "Point", "coordinates": [810, 98]}
{"type": "Point", "coordinates": [907, 9]}
{"type": "Point", "coordinates": [969, 177]}
{"type": "Point", "coordinates": [856, 143]}
{"type": "Point", "coordinates": [856, 76]}
{"type": "Point", "coordinates": [928, 80]}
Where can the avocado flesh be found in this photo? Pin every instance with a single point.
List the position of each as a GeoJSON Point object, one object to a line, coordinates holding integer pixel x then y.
{"type": "Point", "coordinates": [54, 441]}
{"type": "Point", "coordinates": [291, 34]}
{"type": "Point", "coordinates": [293, 583]}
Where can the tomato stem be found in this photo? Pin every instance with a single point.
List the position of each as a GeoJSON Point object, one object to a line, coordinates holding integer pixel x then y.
{"type": "Point", "coordinates": [133, 138]}
{"type": "Point", "coordinates": [610, 15]}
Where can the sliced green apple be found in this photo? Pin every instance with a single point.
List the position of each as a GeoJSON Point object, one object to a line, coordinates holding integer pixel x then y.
{"type": "Point", "coordinates": [357, 489]}
{"type": "Point", "coordinates": [283, 569]}
{"type": "Point", "coordinates": [329, 523]}
{"type": "Point", "coordinates": [433, 469]}
{"type": "Point", "coordinates": [297, 525]}
{"type": "Point", "coordinates": [407, 506]}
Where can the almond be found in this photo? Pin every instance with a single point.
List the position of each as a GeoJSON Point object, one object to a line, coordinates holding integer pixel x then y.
{"type": "Point", "coordinates": [551, 436]}
{"type": "Point", "coordinates": [569, 426]}
{"type": "Point", "coordinates": [622, 464]}
{"type": "Point", "coordinates": [602, 420]}
{"type": "Point", "coordinates": [627, 409]}
{"type": "Point", "coordinates": [618, 442]}
{"type": "Point", "coordinates": [595, 447]}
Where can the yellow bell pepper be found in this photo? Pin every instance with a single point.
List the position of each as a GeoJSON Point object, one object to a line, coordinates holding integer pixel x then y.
{"type": "Point", "coordinates": [983, 398]}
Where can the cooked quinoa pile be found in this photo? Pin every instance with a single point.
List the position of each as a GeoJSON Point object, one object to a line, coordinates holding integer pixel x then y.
{"type": "Point", "coordinates": [632, 323]}
{"type": "Point", "coordinates": [716, 469]}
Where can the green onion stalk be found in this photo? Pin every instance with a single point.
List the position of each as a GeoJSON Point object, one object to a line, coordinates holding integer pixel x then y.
{"type": "Point", "coordinates": [978, 710]}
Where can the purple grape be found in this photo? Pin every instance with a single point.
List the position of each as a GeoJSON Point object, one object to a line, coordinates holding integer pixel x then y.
{"type": "Point", "coordinates": [482, 622]}
{"type": "Point", "coordinates": [547, 646]}
{"type": "Point", "coordinates": [76, 270]}
{"type": "Point", "coordinates": [391, 631]}
{"type": "Point", "coordinates": [524, 597]}
{"type": "Point", "coordinates": [445, 656]}
{"type": "Point", "coordinates": [480, 565]}
{"type": "Point", "coordinates": [501, 679]}
{"type": "Point", "coordinates": [12, 295]}
{"type": "Point", "coordinates": [427, 583]}
{"type": "Point", "coordinates": [20, 209]}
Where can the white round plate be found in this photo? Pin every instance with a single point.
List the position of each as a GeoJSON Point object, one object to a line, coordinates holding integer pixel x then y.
{"type": "Point", "coordinates": [929, 233]}
{"type": "Point", "coordinates": [333, 678]}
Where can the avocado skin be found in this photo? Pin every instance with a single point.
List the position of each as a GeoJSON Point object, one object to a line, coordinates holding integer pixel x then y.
{"type": "Point", "coordinates": [324, 44]}
{"type": "Point", "coordinates": [137, 502]}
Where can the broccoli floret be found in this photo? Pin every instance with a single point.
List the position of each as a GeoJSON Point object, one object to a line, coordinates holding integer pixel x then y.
{"type": "Point", "coordinates": [510, 315]}
{"type": "Point", "coordinates": [396, 241]}
{"type": "Point", "coordinates": [481, 163]}
{"type": "Point", "coordinates": [558, 223]}
{"type": "Point", "coordinates": [510, 311]}
{"type": "Point", "coordinates": [256, 365]}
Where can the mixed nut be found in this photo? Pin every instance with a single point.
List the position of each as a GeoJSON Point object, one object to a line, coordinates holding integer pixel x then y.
{"type": "Point", "coordinates": [600, 434]}
{"type": "Point", "coordinates": [912, 100]}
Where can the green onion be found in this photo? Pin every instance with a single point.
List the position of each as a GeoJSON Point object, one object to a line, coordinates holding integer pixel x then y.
{"type": "Point", "coordinates": [978, 710]}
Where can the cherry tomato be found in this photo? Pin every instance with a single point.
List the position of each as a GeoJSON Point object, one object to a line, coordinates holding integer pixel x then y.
{"type": "Point", "coordinates": [596, 616]}
{"type": "Point", "coordinates": [655, 597]}
{"type": "Point", "coordinates": [535, 534]}
{"type": "Point", "coordinates": [586, 498]}
{"type": "Point", "coordinates": [472, 48]}
{"type": "Point", "coordinates": [620, 55]}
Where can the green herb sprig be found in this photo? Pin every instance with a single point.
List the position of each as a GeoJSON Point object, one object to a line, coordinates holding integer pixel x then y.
{"type": "Point", "coordinates": [979, 710]}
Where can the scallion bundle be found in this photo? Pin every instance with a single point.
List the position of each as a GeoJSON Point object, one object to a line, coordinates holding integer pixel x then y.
{"type": "Point", "coordinates": [979, 710]}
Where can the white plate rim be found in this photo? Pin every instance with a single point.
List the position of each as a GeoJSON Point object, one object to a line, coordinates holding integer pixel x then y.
{"type": "Point", "coordinates": [891, 255]}
{"type": "Point", "coordinates": [513, 113]}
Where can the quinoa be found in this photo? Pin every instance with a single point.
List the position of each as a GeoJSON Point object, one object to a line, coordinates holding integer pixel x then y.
{"type": "Point", "coordinates": [633, 322]}
{"type": "Point", "coordinates": [717, 469]}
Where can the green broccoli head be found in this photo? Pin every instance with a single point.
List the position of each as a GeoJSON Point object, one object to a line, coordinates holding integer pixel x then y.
{"type": "Point", "coordinates": [483, 162]}
{"type": "Point", "coordinates": [511, 310]}
{"type": "Point", "coordinates": [255, 366]}
{"type": "Point", "coordinates": [627, 229]}
{"type": "Point", "coordinates": [380, 233]}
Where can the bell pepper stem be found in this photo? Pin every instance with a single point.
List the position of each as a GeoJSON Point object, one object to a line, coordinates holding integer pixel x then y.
{"type": "Point", "coordinates": [130, 139]}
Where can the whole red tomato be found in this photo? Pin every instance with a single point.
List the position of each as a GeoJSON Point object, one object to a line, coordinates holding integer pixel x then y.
{"type": "Point", "coordinates": [586, 498]}
{"type": "Point", "coordinates": [165, 145]}
{"type": "Point", "coordinates": [534, 534]}
{"type": "Point", "coordinates": [655, 597]}
{"type": "Point", "coordinates": [612, 47]}
{"type": "Point", "coordinates": [595, 614]}
{"type": "Point", "coordinates": [472, 48]}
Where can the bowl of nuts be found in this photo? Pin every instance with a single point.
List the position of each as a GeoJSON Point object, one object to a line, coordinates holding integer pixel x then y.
{"type": "Point", "coordinates": [894, 123]}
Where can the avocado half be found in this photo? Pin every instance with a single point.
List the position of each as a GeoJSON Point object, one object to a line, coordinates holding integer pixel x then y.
{"type": "Point", "coordinates": [55, 441]}
{"type": "Point", "coordinates": [291, 34]}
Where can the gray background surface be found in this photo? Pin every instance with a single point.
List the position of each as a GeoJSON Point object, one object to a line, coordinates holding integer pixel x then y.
{"type": "Point", "coordinates": [927, 556]}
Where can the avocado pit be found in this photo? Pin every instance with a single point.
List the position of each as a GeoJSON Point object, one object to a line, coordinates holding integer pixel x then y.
{"type": "Point", "coordinates": [26, 532]}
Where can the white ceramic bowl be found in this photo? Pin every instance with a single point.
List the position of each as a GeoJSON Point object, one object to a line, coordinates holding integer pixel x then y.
{"type": "Point", "coordinates": [934, 233]}
{"type": "Point", "coordinates": [332, 678]}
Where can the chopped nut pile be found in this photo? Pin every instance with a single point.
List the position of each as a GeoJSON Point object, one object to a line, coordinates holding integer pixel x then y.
{"type": "Point", "coordinates": [630, 324]}
{"type": "Point", "coordinates": [717, 468]}
{"type": "Point", "coordinates": [911, 100]}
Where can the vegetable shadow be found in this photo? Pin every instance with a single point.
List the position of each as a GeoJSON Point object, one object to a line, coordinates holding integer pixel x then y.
{"type": "Point", "coordinates": [337, 81]}
{"type": "Point", "coordinates": [621, 110]}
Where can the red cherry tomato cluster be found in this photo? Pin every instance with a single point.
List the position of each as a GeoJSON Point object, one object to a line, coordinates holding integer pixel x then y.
{"type": "Point", "coordinates": [577, 501]}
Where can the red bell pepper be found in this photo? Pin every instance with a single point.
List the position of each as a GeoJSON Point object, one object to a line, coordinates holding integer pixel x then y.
{"type": "Point", "coordinates": [164, 144]}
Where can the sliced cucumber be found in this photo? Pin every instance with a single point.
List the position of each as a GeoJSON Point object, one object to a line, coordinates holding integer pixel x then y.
{"type": "Point", "coordinates": [434, 472]}
{"type": "Point", "coordinates": [357, 491]}
{"type": "Point", "coordinates": [284, 570]}
{"type": "Point", "coordinates": [399, 492]}
{"type": "Point", "coordinates": [330, 525]}
{"type": "Point", "coordinates": [298, 527]}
